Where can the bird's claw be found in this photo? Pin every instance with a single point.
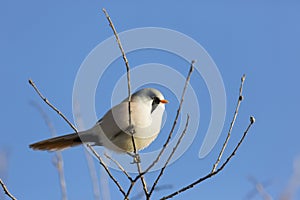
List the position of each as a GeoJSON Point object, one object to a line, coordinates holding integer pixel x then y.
{"type": "Point", "coordinates": [136, 158]}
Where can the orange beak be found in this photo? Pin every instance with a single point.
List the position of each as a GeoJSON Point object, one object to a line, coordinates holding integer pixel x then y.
{"type": "Point", "coordinates": [164, 101]}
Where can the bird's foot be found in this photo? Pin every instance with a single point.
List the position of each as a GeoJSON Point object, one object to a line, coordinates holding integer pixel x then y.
{"type": "Point", "coordinates": [136, 158]}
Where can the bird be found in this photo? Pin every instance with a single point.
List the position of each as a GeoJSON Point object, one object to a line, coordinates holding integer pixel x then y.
{"type": "Point", "coordinates": [114, 130]}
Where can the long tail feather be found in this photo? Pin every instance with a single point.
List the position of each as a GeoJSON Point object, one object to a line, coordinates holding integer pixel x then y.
{"type": "Point", "coordinates": [57, 143]}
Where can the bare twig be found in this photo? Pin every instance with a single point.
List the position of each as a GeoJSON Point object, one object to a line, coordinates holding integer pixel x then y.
{"type": "Point", "coordinates": [75, 129]}
{"type": "Point", "coordinates": [106, 169]}
{"type": "Point", "coordinates": [145, 188]}
{"type": "Point", "coordinates": [131, 128]}
{"type": "Point", "coordinates": [211, 174]}
{"type": "Point", "coordinates": [157, 188]}
{"type": "Point", "coordinates": [169, 136]}
{"type": "Point", "coordinates": [58, 162]}
{"type": "Point", "coordinates": [231, 124]}
{"type": "Point", "coordinates": [123, 55]}
{"type": "Point", "coordinates": [170, 156]}
{"type": "Point", "coordinates": [119, 166]}
{"type": "Point", "coordinates": [6, 190]}
{"type": "Point", "coordinates": [51, 105]}
{"type": "Point", "coordinates": [168, 139]}
{"type": "Point", "coordinates": [130, 189]}
{"type": "Point", "coordinates": [125, 60]}
{"type": "Point", "coordinates": [175, 120]}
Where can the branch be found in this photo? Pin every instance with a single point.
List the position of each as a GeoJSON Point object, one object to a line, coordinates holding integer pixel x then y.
{"type": "Point", "coordinates": [51, 105]}
{"type": "Point", "coordinates": [106, 169]}
{"type": "Point", "coordinates": [131, 128]}
{"type": "Point", "coordinates": [125, 60]}
{"type": "Point", "coordinates": [167, 141]}
{"type": "Point", "coordinates": [119, 166]}
{"type": "Point", "coordinates": [169, 136]}
{"type": "Point", "coordinates": [158, 188]}
{"type": "Point", "coordinates": [74, 128]}
{"type": "Point", "coordinates": [215, 170]}
{"type": "Point", "coordinates": [130, 188]}
{"type": "Point", "coordinates": [175, 120]}
{"type": "Point", "coordinates": [231, 124]}
{"type": "Point", "coordinates": [170, 156]}
{"type": "Point", "coordinates": [6, 190]}
{"type": "Point", "coordinates": [211, 174]}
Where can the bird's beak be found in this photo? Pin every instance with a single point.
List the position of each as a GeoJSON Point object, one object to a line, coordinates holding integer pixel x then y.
{"type": "Point", "coordinates": [164, 101]}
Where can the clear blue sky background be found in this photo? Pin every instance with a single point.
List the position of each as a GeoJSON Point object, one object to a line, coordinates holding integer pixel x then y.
{"type": "Point", "coordinates": [47, 41]}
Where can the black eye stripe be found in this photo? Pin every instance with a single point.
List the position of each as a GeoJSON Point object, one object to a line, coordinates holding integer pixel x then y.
{"type": "Point", "coordinates": [156, 100]}
{"type": "Point", "coordinates": [155, 103]}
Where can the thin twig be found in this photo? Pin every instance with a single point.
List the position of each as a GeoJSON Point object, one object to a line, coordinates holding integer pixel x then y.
{"type": "Point", "coordinates": [175, 120]}
{"type": "Point", "coordinates": [171, 155]}
{"type": "Point", "coordinates": [51, 106]}
{"type": "Point", "coordinates": [132, 183]}
{"type": "Point", "coordinates": [145, 188]}
{"type": "Point", "coordinates": [169, 136]}
{"type": "Point", "coordinates": [74, 128]}
{"type": "Point", "coordinates": [58, 163]}
{"type": "Point", "coordinates": [131, 128]}
{"type": "Point", "coordinates": [240, 99]}
{"type": "Point", "coordinates": [6, 190]}
{"type": "Point", "coordinates": [124, 58]}
{"type": "Point", "coordinates": [119, 166]}
{"type": "Point", "coordinates": [106, 169]}
{"type": "Point", "coordinates": [158, 188]}
{"type": "Point", "coordinates": [211, 174]}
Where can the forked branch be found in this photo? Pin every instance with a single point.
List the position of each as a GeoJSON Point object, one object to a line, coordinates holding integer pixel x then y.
{"type": "Point", "coordinates": [216, 170]}
{"type": "Point", "coordinates": [240, 99]}
{"type": "Point", "coordinates": [211, 174]}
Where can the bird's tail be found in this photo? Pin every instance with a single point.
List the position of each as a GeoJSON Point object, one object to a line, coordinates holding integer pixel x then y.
{"type": "Point", "coordinates": [57, 143]}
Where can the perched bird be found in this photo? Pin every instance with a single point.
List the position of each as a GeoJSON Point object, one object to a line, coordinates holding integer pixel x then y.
{"type": "Point", "coordinates": [113, 130]}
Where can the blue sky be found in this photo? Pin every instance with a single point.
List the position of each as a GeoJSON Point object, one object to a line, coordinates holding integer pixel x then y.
{"type": "Point", "coordinates": [48, 41]}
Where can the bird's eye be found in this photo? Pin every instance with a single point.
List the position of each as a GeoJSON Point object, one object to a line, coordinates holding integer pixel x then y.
{"type": "Point", "coordinates": [156, 100]}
